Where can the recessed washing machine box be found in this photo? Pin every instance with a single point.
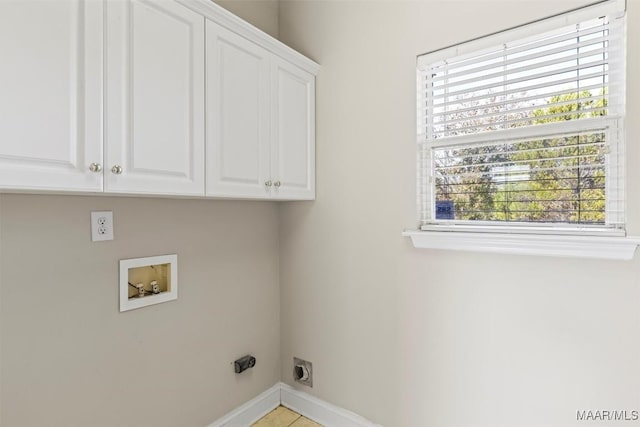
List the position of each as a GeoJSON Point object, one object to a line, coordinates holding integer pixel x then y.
{"type": "Point", "coordinates": [147, 281]}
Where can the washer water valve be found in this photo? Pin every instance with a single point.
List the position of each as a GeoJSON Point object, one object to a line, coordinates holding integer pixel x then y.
{"type": "Point", "coordinates": [140, 288]}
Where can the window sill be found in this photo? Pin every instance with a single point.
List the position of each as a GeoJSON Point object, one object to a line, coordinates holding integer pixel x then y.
{"type": "Point", "coordinates": [602, 247]}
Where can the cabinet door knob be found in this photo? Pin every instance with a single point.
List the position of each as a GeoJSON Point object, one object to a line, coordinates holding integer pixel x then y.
{"type": "Point", "coordinates": [277, 184]}
{"type": "Point", "coordinates": [117, 169]}
{"type": "Point", "coordinates": [268, 183]}
{"type": "Point", "coordinates": [95, 167]}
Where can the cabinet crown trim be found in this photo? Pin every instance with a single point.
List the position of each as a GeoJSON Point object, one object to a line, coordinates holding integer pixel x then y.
{"type": "Point", "coordinates": [223, 17]}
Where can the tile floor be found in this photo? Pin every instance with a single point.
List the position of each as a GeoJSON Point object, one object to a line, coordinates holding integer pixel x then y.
{"type": "Point", "coordinates": [283, 417]}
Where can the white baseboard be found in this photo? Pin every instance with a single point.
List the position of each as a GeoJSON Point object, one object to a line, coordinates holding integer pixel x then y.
{"type": "Point", "coordinates": [252, 411]}
{"type": "Point", "coordinates": [320, 411]}
{"type": "Point", "coordinates": [282, 394]}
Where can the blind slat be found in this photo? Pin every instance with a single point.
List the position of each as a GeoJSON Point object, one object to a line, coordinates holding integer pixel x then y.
{"type": "Point", "coordinates": [555, 169]}
{"type": "Point", "coordinates": [510, 123]}
{"type": "Point", "coordinates": [545, 130]}
{"type": "Point", "coordinates": [537, 97]}
{"type": "Point", "coordinates": [568, 80]}
{"type": "Point", "coordinates": [501, 113]}
{"type": "Point", "coordinates": [542, 75]}
{"type": "Point", "coordinates": [439, 76]}
{"type": "Point", "coordinates": [601, 145]}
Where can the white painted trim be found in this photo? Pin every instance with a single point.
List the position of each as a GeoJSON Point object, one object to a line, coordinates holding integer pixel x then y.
{"type": "Point", "coordinates": [617, 248]}
{"type": "Point", "coordinates": [221, 16]}
{"type": "Point", "coordinates": [320, 411]}
{"type": "Point", "coordinates": [252, 411]}
{"type": "Point", "coordinates": [282, 394]}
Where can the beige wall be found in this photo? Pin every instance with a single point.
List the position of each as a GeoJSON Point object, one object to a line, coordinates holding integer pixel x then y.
{"type": "Point", "coordinates": [260, 13]}
{"type": "Point", "coordinates": [69, 358]}
{"type": "Point", "coordinates": [412, 338]}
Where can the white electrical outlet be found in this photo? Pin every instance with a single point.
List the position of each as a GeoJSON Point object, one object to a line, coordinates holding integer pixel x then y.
{"type": "Point", "coordinates": [101, 226]}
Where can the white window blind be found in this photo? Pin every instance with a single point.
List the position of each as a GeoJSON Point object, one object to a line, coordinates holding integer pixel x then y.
{"type": "Point", "coordinates": [526, 132]}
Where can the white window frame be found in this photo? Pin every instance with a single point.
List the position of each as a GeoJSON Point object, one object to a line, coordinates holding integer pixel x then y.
{"type": "Point", "coordinates": [585, 242]}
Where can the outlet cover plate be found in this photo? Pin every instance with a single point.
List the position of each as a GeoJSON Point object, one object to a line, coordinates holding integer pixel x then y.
{"type": "Point", "coordinates": [101, 226]}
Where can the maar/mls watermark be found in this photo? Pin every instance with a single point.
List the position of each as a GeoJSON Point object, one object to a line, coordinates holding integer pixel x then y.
{"type": "Point", "coordinates": [607, 415]}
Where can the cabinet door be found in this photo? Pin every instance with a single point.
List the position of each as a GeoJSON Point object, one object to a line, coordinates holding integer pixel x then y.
{"type": "Point", "coordinates": [293, 132]}
{"type": "Point", "coordinates": [50, 95]}
{"type": "Point", "coordinates": [237, 116]}
{"type": "Point", "coordinates": [155, 98]}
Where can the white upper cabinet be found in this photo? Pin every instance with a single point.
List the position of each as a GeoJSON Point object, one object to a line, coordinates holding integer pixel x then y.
{"type": "Point", "coordinates": [238, 87]}
{"type": "Point", "coordinates": [155, 98]}
{"type": "Point", "coordinates": [293, 131]}
{"type": "Point", "coordinates": [50, 95]}
{"type": "Point", "coordinates": [109, 96]}
{"type": "Point", "coordinates": [260, 121]}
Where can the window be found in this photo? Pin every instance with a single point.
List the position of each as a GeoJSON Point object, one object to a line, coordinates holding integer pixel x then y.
{"type": "Point", "coordinates": [524, 130]}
